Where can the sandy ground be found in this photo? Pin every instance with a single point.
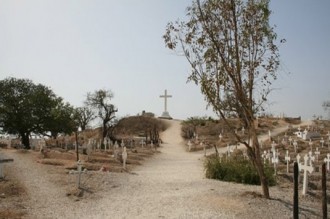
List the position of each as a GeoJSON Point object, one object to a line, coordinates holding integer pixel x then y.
{"type": "Point", "coordinates": [169, 185]}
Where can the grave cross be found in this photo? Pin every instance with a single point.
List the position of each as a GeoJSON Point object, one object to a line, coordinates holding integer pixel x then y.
{"type": "Point", "coordinates": [287, 159]}
{"type": "Point", "coordinates": [2, 162]}
{"type": "Point", "coordinates": [290, 140]}
{"type": "Point", "coordinates": [79, 171]}
{"type": "Point", "coordinates": [165, 96]}
{"type": "Point", "coordinates": [264, 156]}
{"type": "Point", "coordinates": [305, 168]}
{"type": "Point", "coordinates": [189, 145]}
{"type": "Point", "coordinates": [322, 142]}
{"type": "Point", "coordinates": [311, 158]}
{"type": "Point", "coordinates": [273, 147]}
{"type": "Point", "coordinates": [311, 144]}
{"type": "Point", "coordinates": [317, 153]}
{"type": "Point", "coordinates": [275, 160]}
{"type": "Point", "coordinates": [124, 155]}
{"type": "Point", "coordinates": [327, 160]}
{"type": "Point", "coordinates": [298, 161]}
{"type": "Point", "coordinates": [295, 145]}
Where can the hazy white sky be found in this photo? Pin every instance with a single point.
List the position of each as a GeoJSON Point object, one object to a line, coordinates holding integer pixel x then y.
{"type": "Point", "coordinates": [78, 46]}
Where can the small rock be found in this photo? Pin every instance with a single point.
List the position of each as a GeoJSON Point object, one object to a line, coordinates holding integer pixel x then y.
{"type": "Point", "coordinates": [2, 195]}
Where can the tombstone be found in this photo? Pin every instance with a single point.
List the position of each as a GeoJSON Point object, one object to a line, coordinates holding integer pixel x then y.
{"type": "Point", "coordinates": [311, 158]}
{"type": "Point", "coordinates": [275, 160]}
{"type": "Point", "coordinates": [264, 156]}
{"type": "Point", "coordinates": [142, 143]}
{"type": "Point", "coordinates": [2, 163]}
{"type": "Point", "coordinates": [298, 160]}
{"type": "Point", "coordinates": [322, 142]}
{"type": "Point", "coordinates": [310, 144]}
{"type": "Point", "coordinates": [317, 153]}
{"type": "Point", "coordinates": [79, 171]}
{"type": "Point", "coordinates": [287, 159]}
{"type": "Point", "coordinates": [327, 160]}
{"type": "Point", "coordinates": [189, 145]}
{"type": "Point", "coordinates": [305, 167]}
{"type": "Point", "coordinates": [295, 145]}
{"type": "Point", "coordinates": [124, 156]}
{"type": "Point", "coordinates": [273, 147]}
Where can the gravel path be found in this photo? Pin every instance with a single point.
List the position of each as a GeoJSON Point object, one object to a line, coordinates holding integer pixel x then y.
{"type": "Point", "coordinates": [169, 185]}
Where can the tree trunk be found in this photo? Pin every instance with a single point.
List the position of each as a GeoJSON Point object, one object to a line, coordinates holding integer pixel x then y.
{"type": "Point", "coordinates": [255, 156]}
{"type": "Point", "coordinates": [25, 140]}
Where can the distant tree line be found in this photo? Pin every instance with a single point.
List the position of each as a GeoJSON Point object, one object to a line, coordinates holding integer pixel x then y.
{"type": "Point", "coordinates": [27, 108]}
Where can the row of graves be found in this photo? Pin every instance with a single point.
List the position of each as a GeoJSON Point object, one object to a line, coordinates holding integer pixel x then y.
{"type": "Point", "coordinates": [308, 146]}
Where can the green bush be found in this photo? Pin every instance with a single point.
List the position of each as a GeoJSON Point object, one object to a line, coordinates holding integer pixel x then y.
{"type": "Point", "coordinates": [237, 170]}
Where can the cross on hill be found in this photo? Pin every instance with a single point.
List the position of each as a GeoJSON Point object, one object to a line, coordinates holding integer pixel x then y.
{"type": "Point", "coordinates": [165, 114]}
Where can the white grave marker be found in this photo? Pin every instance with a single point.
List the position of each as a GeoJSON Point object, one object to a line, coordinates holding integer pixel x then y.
{"type": "Point", "coordinates": [295, 145]}
{"type": "Point", "coordinates": [124, 155]}
{"type": "Point", "coordinates": [287, 159]}
{"type": "Point", "coordinates": [327, 160]}
{"type": "Point", "coordinates": [322, 142]}
{"type": "Point", "coordinates": [305, 168]}
{"type": "Point", "coordinates": [317, 153]}
{"type": "Point", "coordinates": [79, 171]}
{"type": "Point", "coordinates": [189, 145]}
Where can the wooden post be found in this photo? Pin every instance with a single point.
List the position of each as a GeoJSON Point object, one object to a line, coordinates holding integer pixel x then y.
{"type": "Point", "coordinates": [295, 191]}
{"type": "Point", "coordinates": [324, 192]}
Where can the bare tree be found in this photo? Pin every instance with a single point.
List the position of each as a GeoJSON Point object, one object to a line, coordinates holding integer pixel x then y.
{"type": "Point", "coordinates": [100, 100]}
{"type": "Point", "coordinates": [231, 49]}
{"type": "Point", "coordinates": [84, 116]}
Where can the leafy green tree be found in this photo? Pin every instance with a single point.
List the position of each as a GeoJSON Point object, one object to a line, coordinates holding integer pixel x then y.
{"type": "Point", "coordinates": [231, 49]}
{"type": "Point", "coordinates": [24, 107]}
{"type": "Point", "coordinates": [100, 100]}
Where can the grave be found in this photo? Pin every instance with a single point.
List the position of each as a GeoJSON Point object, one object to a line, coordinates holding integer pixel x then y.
{"type": "Point", "coordinates": [327, 160]}
{"type": "Point", "coordinates": [287, 159]}
{"type": "Point", "coordinates": [79, 171]}
{"type": "Point", "coordinates": [165, 114]}
{"type": "Point", "coordinates": [305, 167]}
{"type": "Point", "coordinates": [124, 155]}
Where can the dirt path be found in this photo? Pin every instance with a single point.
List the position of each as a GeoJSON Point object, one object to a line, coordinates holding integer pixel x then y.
{"type": "Point", "coordinates": [169, 185]}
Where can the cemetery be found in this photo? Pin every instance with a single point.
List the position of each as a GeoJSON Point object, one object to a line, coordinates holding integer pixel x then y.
{"type": "Point", "coordinates": [92, 174]}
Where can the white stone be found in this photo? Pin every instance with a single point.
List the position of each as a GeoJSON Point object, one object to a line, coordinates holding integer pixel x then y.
{"type": "Point", "coordinates": [124, 155]}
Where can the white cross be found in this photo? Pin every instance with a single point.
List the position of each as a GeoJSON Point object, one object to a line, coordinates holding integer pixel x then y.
{"type": "Point", "coordinates": [305, 168]}
{"type": "Point", "coordinates": [327, 160]}
{"type": "Point", "coordinates": [122, 144]}
{"type": "Point", "coordinates": [79, 171]}
{"type": "Point", "coordinates": [317, 153]}
{"type": "Point", "coordinates": [220, 136]}
{"type": "Point", "coordinates": [299, 129]}
{"type": "Point", "coordinates": [273, 147]}
{"type": "Point", "coordinates": [189, 145]}
{"type": "Point", "coordinates": [243, 131]}
{"type": "Point", "coordinates": [298, 161]}
{"type": "Point", "coordinates": [290, 140]}
{"type": "Point", "coordinates": [264, 156]}
{"type": "Point", "coordinates": [142, 143]}
{"type": "Point", "coordinates": [311, 158]}
{"type": "Point", "coordinates": [269, 135]}
{"type": "Point", "coordinates": [165, 97]}
{"type": "Point", "coordinates": [322, 142]}
{"type": "Point", "coordinates": [287, 159]}
{"type": "Point", "coordinates": [275, 160]}
{"type": "Point", "coordinates": [269, 156]}
{"type": "Point", "coordinates": [311, 144]}
{"type": "Point", "coordinates": [124, 155]}
{"type": "Point", "coordinates": [295, 145]}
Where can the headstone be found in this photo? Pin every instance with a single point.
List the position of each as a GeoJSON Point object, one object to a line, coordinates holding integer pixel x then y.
{"type": "Point", "coordinates": [275, 160]}
{"type": "Point", "coordinates": [310, 144]}
{"type": "Point", "coordinates": [264, 156]}
{"type": "Point", "coordinates": [327, 160]}
{"type": "Point", "coordinates": [322, 142]}
{"type": "Point", "coordinates": [189, 145]}
{"type": "Point", "coordinates": [287, 159]}
{"type": "Point", "coordinates": [124, 155]}
{"type": "Point", "coordinates": [317, 154]}
{"type": "Point", "coordinates": [165, 114]}
{"type": "Point", "coordinates": [311, 158]}
{"type": "Point", "coordinates": [79, 171]}
{"type": "Point", "coordinates": [295, 145]}
{"type": "Point", "coordinates": [305, 167]}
